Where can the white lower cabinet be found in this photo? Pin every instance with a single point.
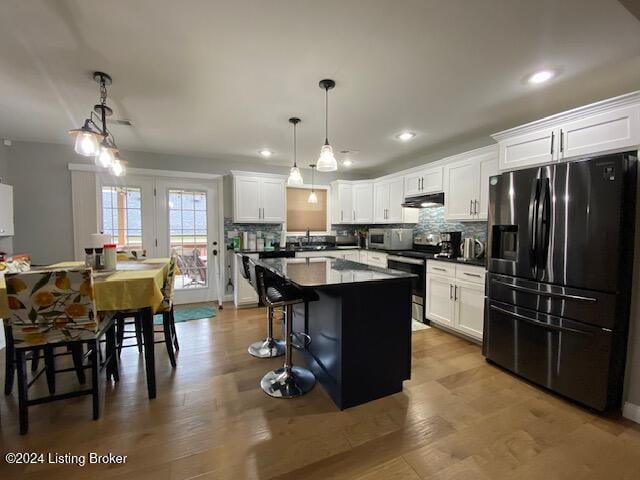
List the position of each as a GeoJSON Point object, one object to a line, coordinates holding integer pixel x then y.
{"type": "Point", "coordinates": [469, 308]}
{"type": "Point", "coordinates": [244, 294]}
{"type": "Point", "coordinates": [455, 303]}
{"type": "Point", "coordinates": [440, 304]}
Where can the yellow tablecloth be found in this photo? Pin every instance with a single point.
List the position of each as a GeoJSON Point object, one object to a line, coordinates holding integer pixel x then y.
{"type": "Point", "coordinates": [133, 285]}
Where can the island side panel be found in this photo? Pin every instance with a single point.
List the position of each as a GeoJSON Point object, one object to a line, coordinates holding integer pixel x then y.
{"type": "Point", "coordinates": [376, 320]}
{"type": "Point", "coordinates": [323, 323]}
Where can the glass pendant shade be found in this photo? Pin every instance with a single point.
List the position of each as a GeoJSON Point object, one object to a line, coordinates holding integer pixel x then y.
{"type": "Point", "coordinates": [313, 198]}
{"type": "Point", "coordinates": [107, 156]}
{"type": "Point", "coordinates": [295, 178]}
{"type": "Point", "coordinates": [117, 168]}
{"type": "Point", "coordinates": [327, 162]}
{"type": "Point", "coordinates": [87, 143]}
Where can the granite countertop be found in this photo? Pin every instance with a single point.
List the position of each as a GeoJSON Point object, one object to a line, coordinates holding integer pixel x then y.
{"type": "Point", "coordinates": [480, 262]}
{"type": "Point", "coordinates": [324, 271]}
{"type": "Point", "coordinates": [298, 249]}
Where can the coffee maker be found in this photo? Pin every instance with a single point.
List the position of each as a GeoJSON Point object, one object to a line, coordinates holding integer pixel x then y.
{"type": "Point", "coordinates": [450, 244]}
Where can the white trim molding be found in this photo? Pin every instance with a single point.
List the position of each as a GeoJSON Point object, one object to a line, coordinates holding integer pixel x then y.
{"type": "Point", "coordinates": [149, 172]}
{"type": "Point", "coordinates": [631, 411]}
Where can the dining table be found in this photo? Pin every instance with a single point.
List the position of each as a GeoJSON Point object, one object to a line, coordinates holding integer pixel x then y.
{"type": "Point", "coordinates": [133, 287]}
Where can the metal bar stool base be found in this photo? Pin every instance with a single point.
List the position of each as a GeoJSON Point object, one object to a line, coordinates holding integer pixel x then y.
{"type": "Point", "coordinates": [268, 348]}
{"type": "Point", "coordinates": [282, 384]}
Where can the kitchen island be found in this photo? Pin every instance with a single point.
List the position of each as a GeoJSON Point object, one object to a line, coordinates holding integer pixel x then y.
{"type": "Point", "coordinates": [359, 324]}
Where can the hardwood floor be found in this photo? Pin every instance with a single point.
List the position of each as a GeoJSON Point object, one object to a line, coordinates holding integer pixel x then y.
{"type": "Point", "coordinates": [458, 418]}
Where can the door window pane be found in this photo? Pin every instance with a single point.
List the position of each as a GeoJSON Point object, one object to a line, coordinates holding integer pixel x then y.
{"type": "Point", "coordinates": [188, 236]}
{"type": "Point", "coordinates": [122, 215]}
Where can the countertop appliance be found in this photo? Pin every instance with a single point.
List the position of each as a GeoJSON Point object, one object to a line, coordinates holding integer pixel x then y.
{"type": "Point", "coordinates": [560, 257]}
{"type": "Point", "coordinates": [391, 238]}
{"type": "Point", "coordinates": [415, 261]}
{"type": "Point", "coordinates": [450, 244]}
{"type": "Point", "coordinates": [471, 249]}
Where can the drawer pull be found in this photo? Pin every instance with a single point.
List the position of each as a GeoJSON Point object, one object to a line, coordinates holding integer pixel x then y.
{"type": "Point", "coordinates": [439, 269]}
{"type": "Point", "coordinates": [472, 274]}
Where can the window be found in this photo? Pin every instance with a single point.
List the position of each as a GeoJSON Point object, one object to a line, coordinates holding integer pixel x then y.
{"type": "Point", "coordinates": [122, 215]}
{"type": "Point", "coordinates": [302, 215]}
{"type": "Point", "coordinates": [188, 235]}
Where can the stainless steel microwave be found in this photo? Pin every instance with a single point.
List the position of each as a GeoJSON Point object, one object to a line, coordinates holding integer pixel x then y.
{"type": "Point", "coordinates": [391, 238]}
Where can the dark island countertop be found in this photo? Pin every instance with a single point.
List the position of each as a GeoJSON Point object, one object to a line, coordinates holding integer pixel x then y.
{"type": "Point", "coordinates": [323, 271]}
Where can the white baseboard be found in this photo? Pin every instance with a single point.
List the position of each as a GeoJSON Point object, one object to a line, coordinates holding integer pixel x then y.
{"type": "Point", "coordinates": [631, 411]}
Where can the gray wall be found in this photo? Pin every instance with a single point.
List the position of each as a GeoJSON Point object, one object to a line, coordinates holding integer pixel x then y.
{"type": "Point", "coordinates": [4, 164]}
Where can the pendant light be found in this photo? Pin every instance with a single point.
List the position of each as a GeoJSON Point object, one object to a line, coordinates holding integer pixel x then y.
{"type": "Point", "coordinates": [313, 198]}
{"type": "Point", "coordinates": [295, 178]}
{"type": "Point", "coordinates": [93, 139]}
{"type": "Point", "coordinates": [327, 162]}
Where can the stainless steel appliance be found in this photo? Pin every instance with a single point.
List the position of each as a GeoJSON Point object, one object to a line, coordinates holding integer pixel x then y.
{"type": "Point", "coordinates": [414, 261]}
{"type": "Point", "coordinates": [418, 267]}
{"type": "Point", "coordinates": [391, 238]}
{"type": "Point", "coordinates": [424, 201]}
{"type": "Point", "coordinates": [471, 249]}
{"type": "Point", "coordinates": [560, 255]}
{"type": "Point", "coordinates": [450, 244]}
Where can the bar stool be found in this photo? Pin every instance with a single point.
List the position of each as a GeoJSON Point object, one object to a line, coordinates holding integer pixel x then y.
{"type": "Point", "coordinates": [288, 381]}
{"type": "Point", "coordinates": [269, 347]}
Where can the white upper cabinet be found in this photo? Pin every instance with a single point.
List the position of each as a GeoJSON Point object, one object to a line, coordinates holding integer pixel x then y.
{"type": "Point", "coordinates": [352, 202]}
{"type": "Point", "coordinates": [6, 210]}
{"type": "Point", "coordinates": [527, 150]}
{"type": "Point", "coordinates": [380, 201]}
{"type": "Point", "coordinates": [611, 130]}
{"type": "Point", "coordinates": [363, 202]}
{"type": "Point", "coordinates": [610, 125]}
{"type": "Point", "coordinates": [423, 182]}
{"type": "Point", "coordinates": [396, 198]}
{"type": "Point", "coordinates": [258, 199]}
{"type": "Point", "coordinates": [466, 184]}
{"type": "Point", "coordinates": [388, 196]}
{"type": "Point", "coordinates": [273, 200]}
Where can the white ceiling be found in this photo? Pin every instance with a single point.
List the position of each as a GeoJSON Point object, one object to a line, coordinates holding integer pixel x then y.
{"type": "Point", "coordinates": [219, 79]}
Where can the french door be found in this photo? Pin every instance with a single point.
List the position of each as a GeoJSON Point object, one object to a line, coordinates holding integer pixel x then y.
{"type": "Point", "coordinates": [187, 222]}
{"type": "Point", "coordinates": [166, 216]}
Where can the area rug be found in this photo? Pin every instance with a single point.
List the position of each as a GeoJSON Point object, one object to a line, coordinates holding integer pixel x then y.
{"type": "Point", "coordinates": [184, 314]}
{"type": "Point", "coordinates": [415, 326]}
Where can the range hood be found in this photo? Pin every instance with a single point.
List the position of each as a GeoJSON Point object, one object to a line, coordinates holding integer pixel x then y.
{"type": "Point", "coordinates": [424, 201]}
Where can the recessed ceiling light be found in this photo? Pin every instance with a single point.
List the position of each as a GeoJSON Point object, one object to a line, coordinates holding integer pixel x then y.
{"type": "Point", "coordinates": [266, 153]}
{"type": "Point", "coordinates": [541, 76]}
{"type": "Point", "coordinates": [405, 136]}
{"type": "Point", "coordinates": [347, 162]}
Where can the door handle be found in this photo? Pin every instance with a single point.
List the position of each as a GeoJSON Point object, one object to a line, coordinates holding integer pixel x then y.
{"type": "Point", "coordinates": [470, 207]}
{"type": "Point", "coordinates": [475, 207]}
{"type": "Point", "coordinates": [439, 269]}
{"type": "Point", "coordinates": [553, 137]}
{"type": "Point", "coordinates": [545, 294]}
{"type": "Point", "coordinates": [538, 323]}
{"type": "Point", "coordinates": [450, 292]}
{"type": "Point", "coordinates": [354, 215]}
{"type": "Point", "coordinates": [341, 215]}
{"type": "Point", "coordinates": [455, 293]}
{"type": "Point", "coordinates": [561, 141]}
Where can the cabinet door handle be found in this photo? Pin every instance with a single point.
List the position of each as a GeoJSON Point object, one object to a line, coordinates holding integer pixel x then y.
{"type": "Point", "coordinates": [475, 207]}
{"type": "Point", "coordinates": [420, 186]}
{"type": "Point", "coordinates": [455, 293]}
{"type": "Point", "coordinates": [450, 292]}
{"type": "Point", "coordinates": [341, 215]}
{"type": "Point", "coordinates": [354, 215]}
{"type": "Point", "coordinates": [439, 269]}
{"type": "Point", "coordinates": [472, 274]}
{"type": "Point", "coordinates": [561, 141]}
{"type": "Point", "coordinates": [553, 137]}
{"type": "Point", "coordinates": [470, 207]}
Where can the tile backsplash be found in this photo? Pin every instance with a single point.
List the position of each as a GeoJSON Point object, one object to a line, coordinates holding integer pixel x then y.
{"type": "Point", "coordinates": [430, 220]}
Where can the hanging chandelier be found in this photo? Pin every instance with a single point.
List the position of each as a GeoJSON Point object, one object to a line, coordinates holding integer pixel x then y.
{"type": "Point", "coordinates": [295, 178]}
{"type": "Point", "coordinates": [327, 162]}
{"type": "Point", "coordinates": [93, 139]}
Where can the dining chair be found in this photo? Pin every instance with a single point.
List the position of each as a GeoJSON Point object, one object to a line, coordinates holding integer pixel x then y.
{"type": "Point", "coordinates": [52, 309]}
{"type": "Point", "coordinates": [168, 319]}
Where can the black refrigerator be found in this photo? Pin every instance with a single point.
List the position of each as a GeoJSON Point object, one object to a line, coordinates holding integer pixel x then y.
{"type": "Point", "coordinates": [560, 259]}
